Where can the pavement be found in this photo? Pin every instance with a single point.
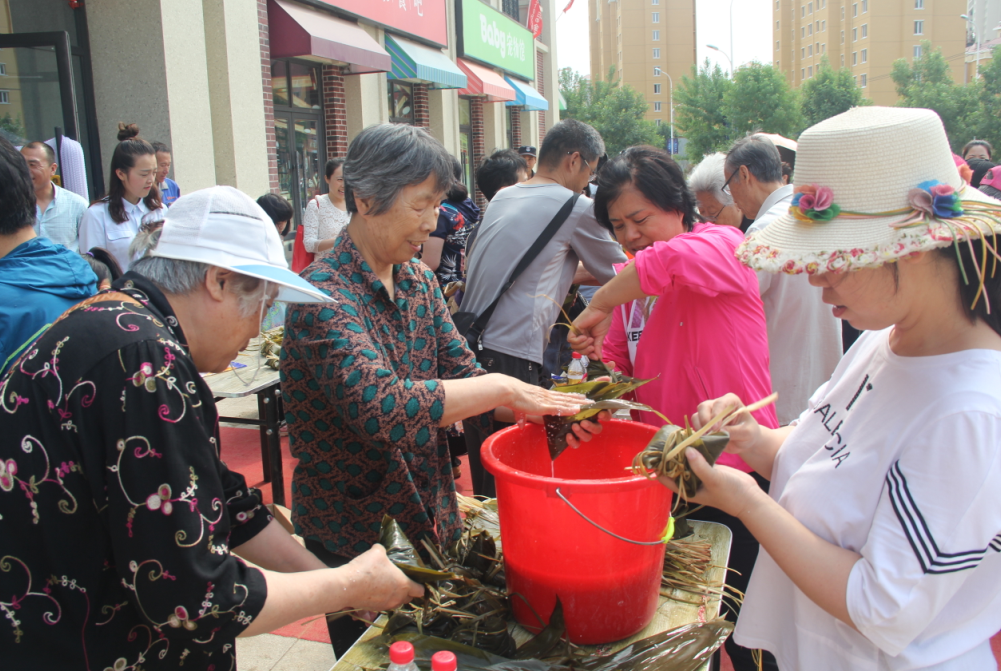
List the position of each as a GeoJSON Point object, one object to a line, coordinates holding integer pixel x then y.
{"type": "Point", "coordinates": [274, 652]}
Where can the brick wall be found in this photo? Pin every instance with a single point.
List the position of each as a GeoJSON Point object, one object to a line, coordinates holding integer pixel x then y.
{"type": "Point", "coordinates": [479, 144]}
{"type": "Point", "coordinates": [515, 128]}
{"type": "Point", "coordinates": [269, 103]}
{"type": "Point", "coordinates": [422, 110]}
{"type": "Point", "coordinates": [335, 120]}
{"type": "Point", "coordinates": [540, 86]}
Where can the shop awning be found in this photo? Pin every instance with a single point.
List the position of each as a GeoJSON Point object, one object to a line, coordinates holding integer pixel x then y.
{"type": "Point", "coordinates": [527, 97]}
{"type": "Point", "coordinates": [415, 62]}
{"type": "Point", "coordinates": [485, 82]}
{"type": "Point", "coordinates": [299, 32]}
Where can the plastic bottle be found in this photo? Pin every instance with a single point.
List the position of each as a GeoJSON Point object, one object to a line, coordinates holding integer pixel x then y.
{"type": "Point", "coordinates": [401, 657]}
{"type": "Point", "coordinates": [444, 661]}
{"type": "Point", "coordinates": [576, 372]}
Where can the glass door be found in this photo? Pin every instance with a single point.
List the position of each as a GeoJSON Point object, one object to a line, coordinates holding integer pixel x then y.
{"type": "Point", "coordinates": [300, 169]}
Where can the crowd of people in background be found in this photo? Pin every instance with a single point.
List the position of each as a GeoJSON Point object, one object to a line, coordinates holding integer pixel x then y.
{"type": "Point", "coordinates": [419, 324]}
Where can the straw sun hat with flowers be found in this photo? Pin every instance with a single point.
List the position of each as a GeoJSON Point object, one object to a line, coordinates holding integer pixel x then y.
{"type": "Point", "coordinates": [873, 185]}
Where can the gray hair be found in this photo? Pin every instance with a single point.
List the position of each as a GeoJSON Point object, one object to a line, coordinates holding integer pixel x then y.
{"type": "Point", "coordinates": [569, 136]}
{"type": "Point", "coordinates": [759, 155]}
{"type": "Point", "coordinates": [386, 158]}
{"type": "Point", "coordinates": [708, 177]}
{"type": "Point", "coordinates": [181, 278]}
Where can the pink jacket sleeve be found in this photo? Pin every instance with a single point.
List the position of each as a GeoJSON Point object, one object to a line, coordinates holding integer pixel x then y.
{"type": "Point", "coordinates": [615, 347]}
{"type": "Point", "coordinates": [702, 261]}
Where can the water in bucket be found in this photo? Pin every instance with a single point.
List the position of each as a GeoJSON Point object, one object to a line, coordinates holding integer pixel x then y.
{"type": "Point", "coordinates": [609, 588]}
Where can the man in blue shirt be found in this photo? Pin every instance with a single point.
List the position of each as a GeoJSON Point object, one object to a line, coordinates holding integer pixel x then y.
{"type": "Point", "coordinates": [169, 191]}
{"type": "Point", "coordinates": [57, 211]}
{"type": "Point", "coordinates": [39, 280]}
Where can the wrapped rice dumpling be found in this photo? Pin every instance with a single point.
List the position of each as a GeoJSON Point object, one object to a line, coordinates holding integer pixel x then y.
{"type": "Point", "coordinates": [404, 556]}
{"type": "Point", "coordinates": [662, 458]}
{"type": "Point", "coordinates": [604, 395]}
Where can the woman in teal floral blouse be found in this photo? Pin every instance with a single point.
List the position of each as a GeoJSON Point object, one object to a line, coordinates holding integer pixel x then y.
{"type": "Point", "coordinates": [371, 383]}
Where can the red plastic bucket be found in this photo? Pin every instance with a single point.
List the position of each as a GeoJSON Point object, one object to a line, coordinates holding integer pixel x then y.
{"type": "Point", "coordinates": [609, 588]}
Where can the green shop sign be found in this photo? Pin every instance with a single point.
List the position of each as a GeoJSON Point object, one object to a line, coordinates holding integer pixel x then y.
{"type": "Point", "coordinates": [495, 38]}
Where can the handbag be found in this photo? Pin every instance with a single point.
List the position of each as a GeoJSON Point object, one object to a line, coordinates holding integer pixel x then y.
{"type": "Point", "coordinates": [471, 325]}
{"type": "Point", "coordinates": [300, 257]}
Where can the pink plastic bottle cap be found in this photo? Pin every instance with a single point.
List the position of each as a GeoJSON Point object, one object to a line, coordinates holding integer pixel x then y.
{"type": "Point", "coordinates": [401, 652]}
{"type": "Point", "coordinates": [444, 661]}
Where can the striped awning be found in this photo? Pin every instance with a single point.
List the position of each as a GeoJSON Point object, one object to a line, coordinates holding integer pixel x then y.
{"type": "Point", "coordinates": [417, 63]}
{"type": "Point", "coordinates": [483, 81]}
{"type": "Point", "coordinates": [526, 96]}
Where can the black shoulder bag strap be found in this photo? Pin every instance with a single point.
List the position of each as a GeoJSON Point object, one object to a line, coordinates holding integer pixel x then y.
{"type": "Point", "coordinates": [476, 329]}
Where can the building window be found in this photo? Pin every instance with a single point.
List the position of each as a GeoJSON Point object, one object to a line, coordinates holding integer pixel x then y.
{"type": "Point", "coordinates": [510, 7]}
{"type": "Point", "coordinates": [809, 50]}
{"type": "Point", "coordinates": [809, 8]}
{"type": "Point", "coordinates": [654, 2]}
{"type": "Point", "coordinates": [917, 51]}
{"type": "Point", "coordinates": [656, 72]}
{"type": "Point", "coordinates": [656, 53]}
{"type": "Point", "coordinates": [655, 18]}
{"type": "Point", "coordinates": [776, 5]}
{"type": "Point", "coordinates": [823, 48]}
{"type": "Point", "coordinates": [656, 121]}
{"type": "Point", "coordinates": [865, 30]}
{"type": "Point", "coordinates": [854, 34]}
{"type": "Point", "coordinates": [4, 97]}
{"type": "Point", "coordinates": [809, 29]}
{"type": "Point", "coordinates": [865, 80]}
{"type": "Point", "coordinates": [842, 13]}
{"type": "Point", "coordinates": [865, 55]}
{"type": "Point", "coordinates": [919, 27]}
{"type": "Point", "coordinates": [855, 9]}
{"type": "Point", "coordinates": [3, 69]}
{"type": "Point", "coordinates": [656, 107]}
{"type": "Point", "coordinates": [842, 60]}
{"type": "Point", "coordinates": [855, 79]}
{"type": "Point", "coordinates": [656, 36]}
{"type": "Point", "coordinates": [802, 32]}
{"type": "Point", "coordinates": [777, 45]}
{"type": "Point", "coordinates": [865, 6]}
{"type": "Point", "coordinates": [401, 102]}
{"type": "Point", "coordinates": [656, 89]}
{"type": "Point", "coordinates": [842, 37]}
{"type": "Point", "coordinates": [776, 25]}
{"type": "Point", "coordinates": [802, 52]}
{"type": "Point", "coordinates": [802, 73]}
{"type": "Point", "coordinates": [919, 4]}
{"type": "Point", "coordinates": [802, 11]}
{"type": "Point", "coordinates": [809, 72]}
{"type": "Point", "coordinates": [823, 26]}
{"type": "Point", "coordinates": [854, 58]}
{"type": "Point", "coordinates": [776, 65]}
{"type": "Point", "coordinates": [816, 26]}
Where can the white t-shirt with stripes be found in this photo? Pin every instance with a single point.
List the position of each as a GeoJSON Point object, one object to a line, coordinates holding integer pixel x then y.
{"type": "Point", "coordinates": [898, 459]}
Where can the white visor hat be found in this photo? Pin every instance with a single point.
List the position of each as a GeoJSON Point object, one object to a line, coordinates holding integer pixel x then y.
{"type": "Point", "coordinates": [222, 226]}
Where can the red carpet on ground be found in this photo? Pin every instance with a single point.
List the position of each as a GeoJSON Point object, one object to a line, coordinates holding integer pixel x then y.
{"type": "Point", "coordinates": [241, 450]}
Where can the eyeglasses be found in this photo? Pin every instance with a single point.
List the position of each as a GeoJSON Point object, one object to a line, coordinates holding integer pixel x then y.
{"type": "Point", "coordinates": [726, 184]}
{"type": "Point", "coordinates": [713, 217]}
{"type": "Point", "coordinates": [593, 170]}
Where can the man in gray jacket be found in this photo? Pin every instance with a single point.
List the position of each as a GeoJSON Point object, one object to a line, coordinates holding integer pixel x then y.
{"type": "Point", "coordinates": [515, 337]}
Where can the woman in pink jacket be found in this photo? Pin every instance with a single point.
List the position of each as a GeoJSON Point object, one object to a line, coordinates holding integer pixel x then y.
{"type": "Point", "coordinates": [685, 312]}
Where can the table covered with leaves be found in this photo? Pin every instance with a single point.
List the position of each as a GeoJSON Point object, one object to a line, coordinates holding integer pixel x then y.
{"type": "Point", "coordinates": [465, 610]}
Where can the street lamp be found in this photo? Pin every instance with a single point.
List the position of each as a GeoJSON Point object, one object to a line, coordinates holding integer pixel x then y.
{"type": "Point", "coordinates": [715, 48]}
{"type": "Point", "coordinates": [670, 82]}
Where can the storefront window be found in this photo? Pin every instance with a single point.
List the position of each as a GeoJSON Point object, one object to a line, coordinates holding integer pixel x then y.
{"type": "Point", "coordinates": [466, 143]}
{"type": "Point", "coordinates": [401, 102]}
{"type": "Point", "coordinates": [279, 82]}
{"type": "Point", "coordinates": [305, 85]}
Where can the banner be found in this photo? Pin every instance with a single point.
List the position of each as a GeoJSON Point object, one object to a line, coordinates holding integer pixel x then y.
{"type": "Point", "coordinates": [496, 39]}
{"type": "Point", "coordinates": [423, 18]}
{"type": "Point", "coordinates": [535, 18]}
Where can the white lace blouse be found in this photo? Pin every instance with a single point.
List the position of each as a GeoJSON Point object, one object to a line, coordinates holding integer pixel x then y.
{"type": "Point", "coordinates": [322, 220]}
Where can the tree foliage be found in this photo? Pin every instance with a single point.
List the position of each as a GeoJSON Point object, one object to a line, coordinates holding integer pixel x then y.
{"type": "Point", "coordinates": [828, 94]}
{"type": "Point", "coordinates": [699, 111]}
{"type": "Point", "coordinates": [761, 100]}
{"type": "Point", "coordinates": [616, 111]}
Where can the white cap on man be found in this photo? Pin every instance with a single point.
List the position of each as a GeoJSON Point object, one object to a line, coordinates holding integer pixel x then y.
{"type": "Point", "coordinates": [222, 226]}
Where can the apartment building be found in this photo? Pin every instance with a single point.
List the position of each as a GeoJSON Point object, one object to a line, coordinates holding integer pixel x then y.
{"type": "Point", "coordinates": [866, 36]}
{"type": "Point", "coordinates": [651, 44]}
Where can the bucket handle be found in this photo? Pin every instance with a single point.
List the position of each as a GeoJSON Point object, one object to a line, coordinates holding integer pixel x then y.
{"type": "Point", "coordinates": [667, 535]}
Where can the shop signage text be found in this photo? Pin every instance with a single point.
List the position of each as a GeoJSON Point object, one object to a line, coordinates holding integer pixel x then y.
{"type": "Point", "coordinates": [495, 38]}
{"type": "Point", "coordinates": [422, 18]}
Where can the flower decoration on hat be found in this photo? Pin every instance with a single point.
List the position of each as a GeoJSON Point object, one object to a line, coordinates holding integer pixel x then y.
{"type": "Point", "coordinates": [814, 203]}
{"type": "Point", "coordinates": [936, 199]}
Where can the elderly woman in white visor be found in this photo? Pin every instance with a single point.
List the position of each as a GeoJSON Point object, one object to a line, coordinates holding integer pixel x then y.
{"type": "Point", "coordinates": [880, 545]}
{"type": "Point", "coordinates": [122, 530]}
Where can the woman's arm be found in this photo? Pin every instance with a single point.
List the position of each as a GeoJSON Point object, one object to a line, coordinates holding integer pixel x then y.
{"type": "Point", "coordinates": [311, 226]}
{"type": "Point", "coordinates": [476, 395]}
{"type": "Point", "coordinates": [368, 582]}
{"type": "Point", "coordinates": [431, 256]}
{"type": "Point", "coordinates": [595, 320]}
{"type": "Point", "coordinates": [757, 445]}
{"type": "Point", "coordinates": [274, 549]}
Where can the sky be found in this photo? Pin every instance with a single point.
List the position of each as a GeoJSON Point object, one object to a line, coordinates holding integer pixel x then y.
{"type": "Point", "coordinates": [752, 39]}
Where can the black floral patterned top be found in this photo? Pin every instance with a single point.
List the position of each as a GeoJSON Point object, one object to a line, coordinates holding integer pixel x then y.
{"type": "Point", "coordinates": [116, 514]}
{"type": "Point", "coordinates": [360, 381]}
